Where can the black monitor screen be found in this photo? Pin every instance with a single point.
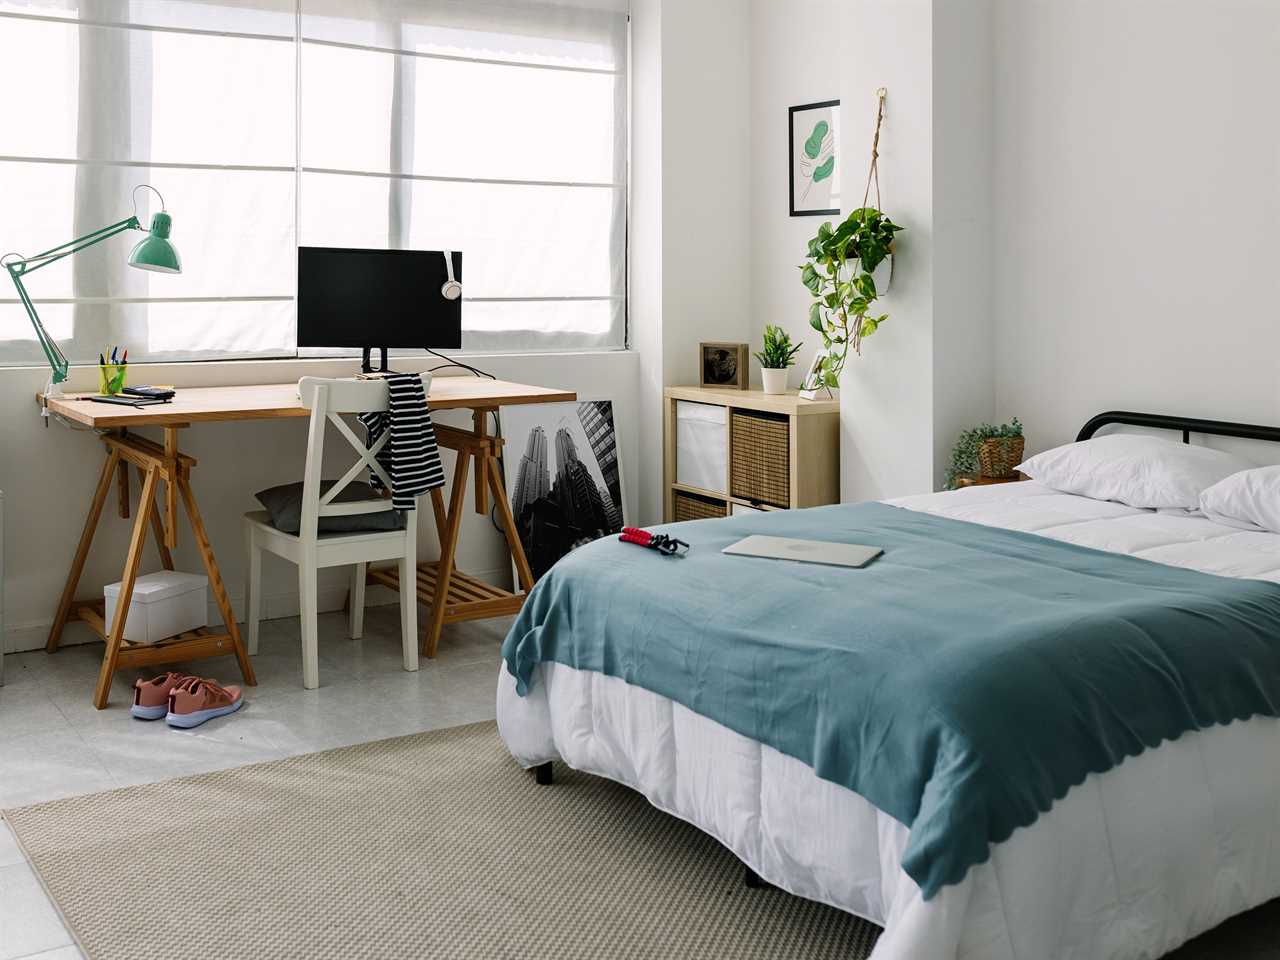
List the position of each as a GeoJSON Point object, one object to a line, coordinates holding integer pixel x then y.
{"type": "Point", "coordinates": [377, 298]}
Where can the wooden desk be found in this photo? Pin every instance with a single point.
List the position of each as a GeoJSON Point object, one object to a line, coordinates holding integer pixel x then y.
{"type": "Point", "coordinates": [450, 594]}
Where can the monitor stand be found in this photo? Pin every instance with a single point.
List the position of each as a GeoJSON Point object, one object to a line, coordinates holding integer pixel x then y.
{"type": "Point", "coordinates": [366, 362]}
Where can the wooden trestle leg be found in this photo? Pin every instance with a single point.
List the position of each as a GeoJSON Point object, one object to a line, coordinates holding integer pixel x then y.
{"type": "Point", "coordinates": [154, 463]}
{"type": "Point", "coordinates": [450, 594]}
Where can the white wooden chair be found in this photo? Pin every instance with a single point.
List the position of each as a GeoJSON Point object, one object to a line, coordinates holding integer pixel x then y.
{"type": "Point", "coordinates": [310, 550]}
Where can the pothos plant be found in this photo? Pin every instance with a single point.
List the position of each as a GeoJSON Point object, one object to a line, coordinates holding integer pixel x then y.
{"type": "Point", "coordinates": [837, 271]}
{"type": "Point", "coordinates": [964, 455]}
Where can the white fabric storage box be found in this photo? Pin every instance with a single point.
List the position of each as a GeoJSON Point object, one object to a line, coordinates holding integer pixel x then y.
{"type": "Point", "coordinates": [163, 604]}
{"type": "Point", "coordinates": [737, 509]}
{"type": "Point", "coordinates": [702, 445]}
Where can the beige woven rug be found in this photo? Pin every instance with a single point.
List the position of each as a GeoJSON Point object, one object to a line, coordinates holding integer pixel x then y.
{"type": "Point", "coordinates": [435, 845]}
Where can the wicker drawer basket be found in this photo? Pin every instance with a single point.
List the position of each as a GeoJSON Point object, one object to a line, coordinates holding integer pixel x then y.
{"type": "Point", "coordinates": [760, 458]}
{"type": "Point", "coordinates": [690, 506]}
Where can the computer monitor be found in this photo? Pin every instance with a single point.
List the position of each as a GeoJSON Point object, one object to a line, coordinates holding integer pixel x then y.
{"type": "Point", "coordinates": [377, 299]}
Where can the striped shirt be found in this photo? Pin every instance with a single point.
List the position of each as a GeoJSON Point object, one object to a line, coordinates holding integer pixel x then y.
{"type": "Point", "coordinates": [410, 456]}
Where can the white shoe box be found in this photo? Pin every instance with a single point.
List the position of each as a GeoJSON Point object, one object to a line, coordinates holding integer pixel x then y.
{"type": "Point", "coordinates": [163, 604]}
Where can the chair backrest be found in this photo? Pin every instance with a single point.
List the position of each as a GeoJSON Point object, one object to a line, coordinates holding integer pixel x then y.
{"type": "Point", "coordinates": [327, 399]}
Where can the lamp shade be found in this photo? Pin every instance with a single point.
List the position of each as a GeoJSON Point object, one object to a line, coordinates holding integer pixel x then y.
{"type": "Point", "coordinates": [155, 252]}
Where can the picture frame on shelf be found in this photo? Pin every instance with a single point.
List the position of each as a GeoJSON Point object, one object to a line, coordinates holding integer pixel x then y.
{"type": "Point", "coordinates": [813, 168]}
{"type": "Point", "coordinates": [724, 366]}
{"type": "Point", "coordinates": [811, 383]}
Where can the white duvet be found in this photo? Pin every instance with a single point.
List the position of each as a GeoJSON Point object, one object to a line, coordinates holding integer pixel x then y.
{"type": "Point", "coordinates": [1130, 864]}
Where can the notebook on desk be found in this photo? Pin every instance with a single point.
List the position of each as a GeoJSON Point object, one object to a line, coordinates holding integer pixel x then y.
{"type": "Point", "coordinates": [123, 401]}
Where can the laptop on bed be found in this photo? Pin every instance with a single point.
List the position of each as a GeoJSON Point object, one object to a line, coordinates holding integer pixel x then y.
{"type": "Point", "coordinates": [805, 551]}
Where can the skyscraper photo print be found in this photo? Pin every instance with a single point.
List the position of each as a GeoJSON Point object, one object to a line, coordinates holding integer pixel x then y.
{"type": "Point", "coordinates": [563, 479]}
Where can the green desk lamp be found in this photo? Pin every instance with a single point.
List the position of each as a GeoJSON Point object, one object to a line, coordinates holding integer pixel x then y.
{"type": "Point", "coordinates": [154, 252]}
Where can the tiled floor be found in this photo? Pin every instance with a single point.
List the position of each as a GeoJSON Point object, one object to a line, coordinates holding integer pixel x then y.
{"type": "Point", "coordinates": [54, 744]}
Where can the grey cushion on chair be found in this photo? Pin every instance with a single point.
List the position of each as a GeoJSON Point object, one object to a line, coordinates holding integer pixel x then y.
{"type": "Point", "coordinates": [284, 504]}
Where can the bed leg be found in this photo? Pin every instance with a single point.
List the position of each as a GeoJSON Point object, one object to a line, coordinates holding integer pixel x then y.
{"type": "Point", "coordinates": [542, 774]}
{"type": "Point", "coordinates": [752, 879]}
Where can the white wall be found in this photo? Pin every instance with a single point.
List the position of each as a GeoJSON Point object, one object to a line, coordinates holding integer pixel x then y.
{"type": "Point", "coordinates": [886, 396]}
{"type": "Point", "coordinates": [690, 219]}
{"type": "Point", "coordinates": [795, 59]}
{"type": "Point", "coordinates": [706, 225]}
{"type": "Point", "coordinates": [1138, 228]}
{"type": "Point", "coordinates": [48, 476]}
{"type": "Point", "coordinates": [927, 373]}
{"type": "Point", "coordinates": [963, 222]}
{"type": "Point", "coordinates": [644, 247]}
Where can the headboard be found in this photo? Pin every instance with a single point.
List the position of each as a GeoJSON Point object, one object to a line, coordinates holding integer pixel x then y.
{"type": "Point", "coordinates": [1188, 426]}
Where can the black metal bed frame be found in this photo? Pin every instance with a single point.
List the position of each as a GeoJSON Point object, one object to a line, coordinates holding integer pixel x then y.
{"type": "Point", "coordinates": [1188, 426]}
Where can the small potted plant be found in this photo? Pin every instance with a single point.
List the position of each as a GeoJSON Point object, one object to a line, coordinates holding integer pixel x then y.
{"type": "Point", "coordinates": [778, 354]}
{"type": "Point", "coordinates": [986, 451]}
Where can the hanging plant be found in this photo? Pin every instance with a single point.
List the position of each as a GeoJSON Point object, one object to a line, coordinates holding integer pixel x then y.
{"type": "Point", "coordinates": [838, 272]}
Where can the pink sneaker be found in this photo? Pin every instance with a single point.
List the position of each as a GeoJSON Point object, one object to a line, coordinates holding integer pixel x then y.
{"type": "Point", "coordinates": [196, 700]}
{"type": "Point", "coordinates": [151, 697]}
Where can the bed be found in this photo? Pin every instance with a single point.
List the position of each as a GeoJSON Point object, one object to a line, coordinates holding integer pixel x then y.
{"type": "Point", "coordinates": [1131, 862]}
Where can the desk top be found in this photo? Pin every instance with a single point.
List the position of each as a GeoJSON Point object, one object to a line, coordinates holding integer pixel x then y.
{"type": "Point", "coordinates": [277, 400]}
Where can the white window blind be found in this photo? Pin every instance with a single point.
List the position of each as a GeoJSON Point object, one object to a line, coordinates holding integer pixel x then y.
{"type": "Point", "coordinates": [497, 129]}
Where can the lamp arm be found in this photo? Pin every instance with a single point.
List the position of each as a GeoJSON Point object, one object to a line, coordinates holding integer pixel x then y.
{"type": "Point", "coordinates": [23, 265]}
{"type": "Point", "coordinates": [52, 352]}
{"type": "Point", "coordinates": [53, 255]}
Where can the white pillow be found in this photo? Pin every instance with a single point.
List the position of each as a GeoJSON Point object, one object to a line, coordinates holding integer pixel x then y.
{"type": "Point", "coordinates": [1135, 470]}
{"type": "Point", "coordinates": [1249, 500]}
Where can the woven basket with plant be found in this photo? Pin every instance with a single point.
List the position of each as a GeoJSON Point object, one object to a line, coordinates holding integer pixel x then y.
{"type": "Point", "coordinates": [997, 456]}
{"type": "Point", "coordinates": [987, 451]}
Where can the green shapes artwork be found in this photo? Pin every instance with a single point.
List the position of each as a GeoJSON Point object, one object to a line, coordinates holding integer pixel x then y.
{"type": "Point", "coordinates": [813, 146]}
{"type": "Point", "coordinates": [814, 135]}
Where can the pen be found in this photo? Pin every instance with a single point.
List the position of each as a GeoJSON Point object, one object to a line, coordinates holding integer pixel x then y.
{"type": "Point", "coordinates": [113, 354]}
{"type": "Point", "coordinates": [101, 361]}
{"type": "Point", "coordinates": [124, 357]}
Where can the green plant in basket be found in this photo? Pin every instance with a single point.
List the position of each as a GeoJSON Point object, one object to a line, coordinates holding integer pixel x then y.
{"type": "Point", "coordinates": [778, 352]}
{"type": "Point", "coordinates": [837, 272]}
{"type": "Point", "coordinates": [964, 455]}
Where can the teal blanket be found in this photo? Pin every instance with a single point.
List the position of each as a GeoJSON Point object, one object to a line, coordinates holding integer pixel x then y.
{"type": "Point", "coordinates": [961, 683]}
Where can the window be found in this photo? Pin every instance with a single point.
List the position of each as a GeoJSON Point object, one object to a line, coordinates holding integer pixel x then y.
{"type": "Point", "coordinates": [497, 129]}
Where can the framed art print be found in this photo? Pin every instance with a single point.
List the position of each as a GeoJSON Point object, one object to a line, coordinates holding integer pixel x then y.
{"type": "Point", "coordinates": [724, 366]}
{"type": "Point", "coordinates": [566, 489]}
{"type": "Point", "coordinates": [813, 378]}
{"type": "Point", "coordinates": [813, 139]}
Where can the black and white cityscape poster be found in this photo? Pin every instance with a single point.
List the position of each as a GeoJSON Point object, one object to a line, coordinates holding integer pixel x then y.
{"type": "Point", "coordinates": [562, 476]}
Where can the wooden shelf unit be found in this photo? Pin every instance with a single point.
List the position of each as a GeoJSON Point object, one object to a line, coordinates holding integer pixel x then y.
{"type": "Point", "coordinates": [813, 441]}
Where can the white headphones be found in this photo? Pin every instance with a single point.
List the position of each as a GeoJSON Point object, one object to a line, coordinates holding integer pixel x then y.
{"type": "Point", "coordinates": [452, 289]}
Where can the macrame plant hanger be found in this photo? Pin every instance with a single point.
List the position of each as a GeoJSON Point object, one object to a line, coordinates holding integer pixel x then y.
{"type": "Point", "coordinates": [873, 178]}
{"type": "Point", "coordinates": [873, 173]}
{"type": "Point", "coordinates": [854, 341]}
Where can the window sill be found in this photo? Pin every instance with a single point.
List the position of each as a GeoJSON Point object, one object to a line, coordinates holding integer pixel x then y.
{"type": "Point", "coordinates": [526, 367]}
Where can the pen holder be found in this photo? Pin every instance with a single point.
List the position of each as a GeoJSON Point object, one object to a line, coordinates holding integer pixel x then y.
{"type": "Point", "coordinates": [111, 378]}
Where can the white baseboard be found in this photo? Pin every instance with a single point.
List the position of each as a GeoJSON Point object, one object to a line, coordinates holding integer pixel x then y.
{"type": "Point", "coordinates": [32, 635]}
